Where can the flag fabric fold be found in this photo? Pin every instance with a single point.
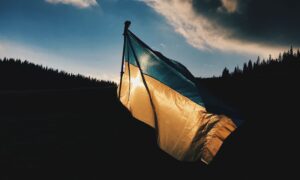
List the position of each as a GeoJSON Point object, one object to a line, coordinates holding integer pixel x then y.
{"type": "Point", "coordinates": [161, 93]}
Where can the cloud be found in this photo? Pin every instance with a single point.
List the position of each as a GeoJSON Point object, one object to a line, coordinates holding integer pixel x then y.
{"type": "Point", "coordinates": [76, 3]}
{"type": "Point", "coordinates": [205, 28]}
{"type": "Point", "coordinates": [203, 34]}
{"type": "Point", "coordinates": [230, 5]}
{"type": "Point", "coordinates": [268, 21]}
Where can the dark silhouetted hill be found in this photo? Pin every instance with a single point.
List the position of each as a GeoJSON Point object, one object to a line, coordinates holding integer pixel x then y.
{"type": "Point", "coordinates": [267, 94]}
{"type": "Point", "coordinates": [73, 132]}
{"type": "Point", "coordinates": [23, 75]}
{"type": "Point", "coordinates": [274, 78]}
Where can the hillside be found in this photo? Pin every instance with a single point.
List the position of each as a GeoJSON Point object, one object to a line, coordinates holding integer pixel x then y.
{"type": "Point", "coordinates": [266, 93]}
{"type": "Point", "coordinates": [23, 75]}
{"type": "Point", "coordinates": [79, 130]}
{"type": "Point", "coordinates": [258, 83]}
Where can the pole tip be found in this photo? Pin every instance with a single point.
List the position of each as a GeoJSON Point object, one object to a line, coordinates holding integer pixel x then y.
{"type": "Point", "coordinates": [127, 24]}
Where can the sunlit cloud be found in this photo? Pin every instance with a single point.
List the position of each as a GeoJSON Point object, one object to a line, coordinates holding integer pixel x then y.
{"type": "Point", "coordinates": [230, 5]}
{"type": "Point", "coordinates": [202, 33]}
{"type": "Point", "coordinates": [76, 3]}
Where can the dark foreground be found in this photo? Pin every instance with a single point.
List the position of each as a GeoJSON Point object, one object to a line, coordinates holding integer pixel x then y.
{"type": "Point", "coordinates": [87, 134]}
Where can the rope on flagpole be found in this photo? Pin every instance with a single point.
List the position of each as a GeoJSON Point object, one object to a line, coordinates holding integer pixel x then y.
{"type": "Point", "coordinates": [129, 74]}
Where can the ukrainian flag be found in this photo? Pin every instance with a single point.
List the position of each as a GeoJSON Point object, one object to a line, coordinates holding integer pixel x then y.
{"type": "Point", "coordinates": [161, 93]}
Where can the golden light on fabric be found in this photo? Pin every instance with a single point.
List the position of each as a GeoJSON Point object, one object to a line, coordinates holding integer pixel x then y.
{"type": "Point", "coordinates": [136, 82]}
{"type": "Point", "coordinates": [186, 130]}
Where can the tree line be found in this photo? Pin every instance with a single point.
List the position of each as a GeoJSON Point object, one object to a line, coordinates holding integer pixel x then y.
{"type": "Point", "coordinates": [286, 61]}
{"type": "Point", "coordinates": [19, 75]}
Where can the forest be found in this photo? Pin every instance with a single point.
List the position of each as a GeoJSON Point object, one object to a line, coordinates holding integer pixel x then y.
{"type": "Point", "coordinates": [23, 75]}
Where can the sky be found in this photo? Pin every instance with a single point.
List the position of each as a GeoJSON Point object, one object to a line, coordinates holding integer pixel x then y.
{"type": "Point", "coordinates": [85, 36]}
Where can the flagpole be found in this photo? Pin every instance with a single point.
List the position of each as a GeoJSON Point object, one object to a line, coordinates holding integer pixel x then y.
{"type": "Point", "coordinates": [126, 26]}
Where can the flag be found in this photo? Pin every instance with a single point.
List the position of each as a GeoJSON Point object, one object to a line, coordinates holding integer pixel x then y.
{"type": "Point", "coordinates": [162, 93]}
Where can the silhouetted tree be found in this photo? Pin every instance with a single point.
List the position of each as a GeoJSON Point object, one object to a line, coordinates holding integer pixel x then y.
{"type": "Point", "coordinates": [270, 57]}
{"type": "Point", "coordinates": [237, 71]}
{"type": "Point", "coordinates": [280, 57]}
{"type": "Point", "coordinates": [291, 52]}
{"type": "Point", "coordinates": [250, 66]}
{"type": "Point", "coordinates": [258, 60]}
{"type": "Point", "coordinates": [245, 68]}
{"type": "Point", "coordinates": [225, 73]}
